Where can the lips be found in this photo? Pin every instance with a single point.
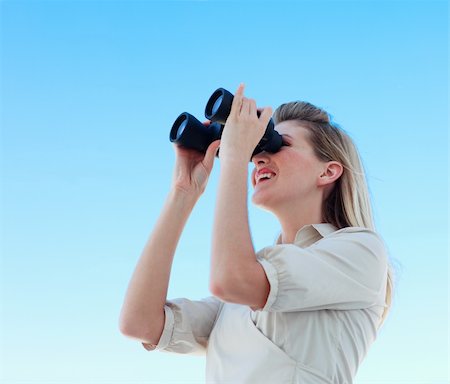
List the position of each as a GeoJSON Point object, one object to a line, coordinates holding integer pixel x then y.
{"type": "Point", "coordinates": [263, 174]}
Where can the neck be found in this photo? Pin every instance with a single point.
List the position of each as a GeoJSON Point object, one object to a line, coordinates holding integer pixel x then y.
{"type": "Point", "coordinates": [292, 219]}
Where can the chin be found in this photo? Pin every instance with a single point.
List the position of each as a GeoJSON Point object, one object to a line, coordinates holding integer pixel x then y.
{"type": "Point", "coordinates": [261, 201]}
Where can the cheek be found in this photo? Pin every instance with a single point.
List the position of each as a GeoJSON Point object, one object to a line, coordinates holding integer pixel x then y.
{"type": "Point", "coordinates": [295, 163]}
{"type": "Point", "coordinates": [299, 169]}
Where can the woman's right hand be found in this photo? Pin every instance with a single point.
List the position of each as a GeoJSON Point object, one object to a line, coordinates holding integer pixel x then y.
{"type": "Point", "coordinates": [192, 168]}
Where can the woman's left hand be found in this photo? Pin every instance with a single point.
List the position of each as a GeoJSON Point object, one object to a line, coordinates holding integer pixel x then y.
{"type": "Point", "coordinates": [243, 129]}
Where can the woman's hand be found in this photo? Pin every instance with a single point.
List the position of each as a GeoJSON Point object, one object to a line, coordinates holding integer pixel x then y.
{"type": "Point", "coordinates": [192, 168]}
{"type": "Point", "coordinates": [243, 129]}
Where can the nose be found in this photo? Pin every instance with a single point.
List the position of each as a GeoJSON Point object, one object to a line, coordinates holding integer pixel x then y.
{"type": "Point", "coordinates": [261, 158]}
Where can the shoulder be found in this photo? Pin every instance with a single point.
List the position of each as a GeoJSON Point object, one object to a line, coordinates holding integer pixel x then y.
{"type": "Point", "coordinates": [357, 235]}
{"type": "Point", "coordinates": [357, 240]}
{"type": "Point", "coordinates": [327, 240]}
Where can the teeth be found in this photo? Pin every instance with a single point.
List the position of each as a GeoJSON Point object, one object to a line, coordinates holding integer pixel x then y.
{"type": "Point", "coordinates": [264, 176]}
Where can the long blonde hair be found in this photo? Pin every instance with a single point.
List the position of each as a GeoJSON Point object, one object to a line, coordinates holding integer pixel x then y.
{"type": "Point", "coordinates": [348, 205]}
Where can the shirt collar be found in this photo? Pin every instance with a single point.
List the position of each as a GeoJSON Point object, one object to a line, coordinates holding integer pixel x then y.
{"type": "Point", "coordinates": [311, 233]}
{"type": "Point", "coordinates": [324, 229]}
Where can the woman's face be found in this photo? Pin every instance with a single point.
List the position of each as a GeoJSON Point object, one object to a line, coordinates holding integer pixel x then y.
{"type": "Point", "coordinates": [290, 175]}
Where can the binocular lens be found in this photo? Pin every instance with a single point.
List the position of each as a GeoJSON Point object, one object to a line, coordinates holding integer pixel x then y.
{"type": "Point", "coordinates": [181, 127]}
{"type": "Point", "coordinates": [216, 105]}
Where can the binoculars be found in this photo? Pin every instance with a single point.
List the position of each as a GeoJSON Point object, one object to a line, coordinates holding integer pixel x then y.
{"type": "Point", "coordinates": [189, 132]}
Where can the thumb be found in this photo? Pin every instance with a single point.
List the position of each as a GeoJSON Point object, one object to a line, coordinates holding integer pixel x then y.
{"type": "Point", "coordinates": [208, 160]}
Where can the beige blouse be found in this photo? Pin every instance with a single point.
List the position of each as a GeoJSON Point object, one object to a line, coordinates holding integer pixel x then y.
{"type": "Point", "coordinates": [327, 296]}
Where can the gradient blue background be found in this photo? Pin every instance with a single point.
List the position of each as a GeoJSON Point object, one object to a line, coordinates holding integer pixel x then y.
{"type": "Point", "coordinates": [89, 91]}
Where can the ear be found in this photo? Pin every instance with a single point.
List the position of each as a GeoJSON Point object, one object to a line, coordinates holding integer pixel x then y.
{"type": "Point", "coordinates": [331, 172]}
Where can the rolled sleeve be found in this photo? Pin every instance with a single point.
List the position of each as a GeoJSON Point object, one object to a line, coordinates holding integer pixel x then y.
{"type": "Point", "coordinates": [345, 270]}
{"type": "Point", "coordinates": [187, 325]}
{"type": "Point", "coordinates": [272, 277]}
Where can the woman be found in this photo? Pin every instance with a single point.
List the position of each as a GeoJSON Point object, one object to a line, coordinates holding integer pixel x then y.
{"type": "Point", "coordinates": [304, 310]}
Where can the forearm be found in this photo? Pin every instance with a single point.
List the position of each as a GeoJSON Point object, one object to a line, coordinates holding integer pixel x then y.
{"type": "Point", "coordinates": [142, 313]}
{"type": "Point", "coordinates": [233, 254]}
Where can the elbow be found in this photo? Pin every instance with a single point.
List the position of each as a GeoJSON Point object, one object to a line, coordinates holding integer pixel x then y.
{"type": "Point", "coordinates": [128, 327]}
{"type": "Point", "coordinates": [217, 289]}
{"type": "Point", "coordinates": [126, 330]}
{"type": "Point", "coordinates": [225, 280]}
{"type": "Point", "coordinates": [148, 330]}
{"type": "Point", "coordinates": [225, 288]}
{"type": "Point", "coordinates": [241, 287]}
{"type": "Point", "coordinates": [231, 292]}
{"type": "Point", "coordinates": [147, 336]}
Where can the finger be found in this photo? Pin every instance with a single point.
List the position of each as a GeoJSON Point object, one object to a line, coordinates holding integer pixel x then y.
{"type": "Point", "coordinates": [240, 90]}
{"type": "Point", "coordinates": [265, 116]}
{"type": "Point", "coordinates": [252, 107]}
{"type": "Point", "coordinates": [237, 100]}
{"type": "Point", "coordinates": [208, 160]}
{"type": "Point", "coordinates": [207, 123]}
{"type": "Point", "coordinates": [245, 107]}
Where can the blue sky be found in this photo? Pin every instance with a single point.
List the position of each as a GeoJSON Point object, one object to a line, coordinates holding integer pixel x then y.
{"type": "Point", "coordinates": [89, 91]}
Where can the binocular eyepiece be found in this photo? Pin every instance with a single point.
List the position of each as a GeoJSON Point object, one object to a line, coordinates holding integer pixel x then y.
{"type": "Point", "coordinates": [189, 132]}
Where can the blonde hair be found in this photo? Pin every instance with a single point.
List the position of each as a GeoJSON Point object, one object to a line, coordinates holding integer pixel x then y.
{"type": "Point", "coordinates": [348, 204]}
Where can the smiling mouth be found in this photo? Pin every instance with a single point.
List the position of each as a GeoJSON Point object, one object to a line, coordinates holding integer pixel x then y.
{"type": "Point", "coordinates": [262, 177]}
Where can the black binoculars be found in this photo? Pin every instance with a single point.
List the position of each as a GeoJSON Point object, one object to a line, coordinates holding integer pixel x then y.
{"type": "Point", "coordinates": [189, 132]}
